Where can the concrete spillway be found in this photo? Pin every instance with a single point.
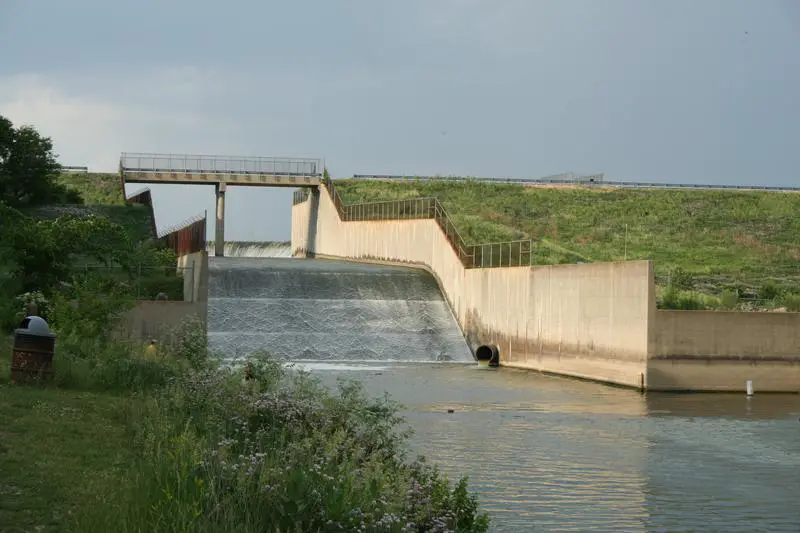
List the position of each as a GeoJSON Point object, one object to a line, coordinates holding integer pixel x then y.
{"type": "Point", "coordinates": [253, 249]}
{"type": "Point", "coordinates": [329, 311]}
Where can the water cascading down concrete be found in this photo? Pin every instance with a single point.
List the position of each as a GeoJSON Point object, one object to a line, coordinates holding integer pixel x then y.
{"type": "Point", "coordinates": [329, 311]}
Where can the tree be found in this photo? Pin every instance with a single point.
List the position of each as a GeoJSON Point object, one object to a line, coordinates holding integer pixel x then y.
{"type": "Point", "coordinates": [28, 168]}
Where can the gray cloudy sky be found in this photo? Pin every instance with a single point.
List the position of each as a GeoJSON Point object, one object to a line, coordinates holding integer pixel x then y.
{"type": "Point", "coordinates": [674, 90]}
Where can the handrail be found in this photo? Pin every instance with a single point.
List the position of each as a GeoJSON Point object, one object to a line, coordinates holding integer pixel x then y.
{"type": "Point", "coordinates": [181, 225]}
{"type": "Point", "coordinates": [596, 180]}
{"type": "Point", "coordinates": [186, 237]}
{"type": "Point", "coordinates": [73, 168]}
{"type": "Point", "coordinates": [300, 196]}
{"type": "Point", "coordinates": [211, 164]}
{"type": "Point", "coordinates": [510, 253]}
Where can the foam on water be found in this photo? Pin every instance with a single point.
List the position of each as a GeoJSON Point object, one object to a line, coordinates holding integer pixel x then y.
{"type": "Point", "coordinates": [311, 366]}
{"type": "Point", "coordinates": [254, 249]}
{"type": "Point", "coordinates": [330, 311]}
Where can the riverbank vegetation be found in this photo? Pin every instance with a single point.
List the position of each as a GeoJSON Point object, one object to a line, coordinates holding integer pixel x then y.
{"type": "Point", "coordinates": [711, 249]}
{"type": "Point", "coordinates": [132, 442]}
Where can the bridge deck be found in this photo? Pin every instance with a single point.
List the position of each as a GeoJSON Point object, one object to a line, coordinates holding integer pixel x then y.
{"type": "Point", "coordinates": [197, 169]}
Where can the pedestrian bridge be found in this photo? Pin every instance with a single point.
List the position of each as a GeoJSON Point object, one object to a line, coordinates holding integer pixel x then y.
{"type": "Point", "coordinates": [219, 171]}
{"type": "Point", "coordinates": [213, 170]}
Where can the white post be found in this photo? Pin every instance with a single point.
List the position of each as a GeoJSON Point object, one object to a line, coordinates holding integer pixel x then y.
{"type": "Point", "coordinates": [749, 387]}
{"type": "Point", "coordinates": [626, 242]}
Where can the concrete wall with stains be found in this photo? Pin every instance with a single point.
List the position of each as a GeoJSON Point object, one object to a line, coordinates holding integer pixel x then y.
{"type": "Point", "coordinates": [721, 351]}
{"type": "Point", "coordinates": [587, 321]}
{"type": "Point", "coordinates": [597, 321]}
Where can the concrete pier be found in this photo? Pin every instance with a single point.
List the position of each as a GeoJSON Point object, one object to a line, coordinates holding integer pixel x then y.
{"type": "Point", "coordinates": [219, 240]}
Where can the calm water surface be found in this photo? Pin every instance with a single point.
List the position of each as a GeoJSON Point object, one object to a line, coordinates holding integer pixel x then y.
{"type": "Point", "coordinates": [544, 453]}
{"type": "Point", "coordinates": [553, 454]}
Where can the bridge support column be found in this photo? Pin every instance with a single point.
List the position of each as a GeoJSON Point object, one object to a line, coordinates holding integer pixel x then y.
{"type": "Point", "coordinates": [219, 241]}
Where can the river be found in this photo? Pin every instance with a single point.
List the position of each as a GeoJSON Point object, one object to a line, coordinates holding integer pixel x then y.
{"type": "Point", "coordinates": [543, 453]}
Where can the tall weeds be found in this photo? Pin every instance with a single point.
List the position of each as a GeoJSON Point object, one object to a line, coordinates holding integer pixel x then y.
{"type": "Point", "coordinates": [263, 448]}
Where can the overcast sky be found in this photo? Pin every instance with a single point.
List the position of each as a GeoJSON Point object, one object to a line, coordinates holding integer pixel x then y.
{"type": "Point", "coordinates": [672, 90]}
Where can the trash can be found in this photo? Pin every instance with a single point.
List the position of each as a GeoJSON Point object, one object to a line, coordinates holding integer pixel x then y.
{"type": "Point", "coordinates": [32, 356]}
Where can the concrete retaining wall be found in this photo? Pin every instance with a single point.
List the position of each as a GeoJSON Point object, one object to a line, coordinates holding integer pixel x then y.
{"type": "Point", "coordinates": [597, 321]}
{"type": "Point", "coordinates": [195, 277]}
{"type": "Point", "coordinates": [157, 319]}
{"type": "Point", "coordinates": [153, 319]}
{"type": "Point", "coordinates": [589, 321]}
{"type": "Point", "coordinates": [713, 350]}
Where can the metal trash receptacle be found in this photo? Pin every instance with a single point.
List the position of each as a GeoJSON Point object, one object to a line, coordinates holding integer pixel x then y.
{"type": "Point", "coordinates": [32, 356]}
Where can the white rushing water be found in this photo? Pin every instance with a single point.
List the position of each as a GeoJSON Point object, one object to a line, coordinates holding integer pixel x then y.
{"type": "Point", "coordinates": [254, 249]}
{"type": "Point", "coordinates": [330, 311]}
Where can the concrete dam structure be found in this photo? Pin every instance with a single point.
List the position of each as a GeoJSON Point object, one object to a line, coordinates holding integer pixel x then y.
{"type": "Point", "coordinates": [596, 321]}
{"type": "Point", "coordinates": [329, 311]}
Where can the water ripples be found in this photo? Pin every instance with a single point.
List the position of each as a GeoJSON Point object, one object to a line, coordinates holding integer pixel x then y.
{"type": "Point", "coordinates": [544, 457]}
{"type": "Point", "coordinates": [544, 453]}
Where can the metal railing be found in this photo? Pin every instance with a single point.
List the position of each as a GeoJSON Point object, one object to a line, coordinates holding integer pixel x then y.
{"type": "Point", "coordinates": [186, 237]}
{"type": "Point", "coordinates": [502, 254]}
{"type": "Point", "coordinates": [140, 196]}
{"type": "Point", "coordinates": [300, 196]}
{"type": "Point", "coordinates": [68, 168]}
{"type": "Point", "coordinates": [585, 181]}
{"type": "Point", "coordinates": [212, 164]}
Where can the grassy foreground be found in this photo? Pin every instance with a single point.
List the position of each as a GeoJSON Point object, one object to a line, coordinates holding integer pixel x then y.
{"type": "Point", "coordinates": [58, 450]}
{"type": "Point", "coordinates": [708, 242]}
{"type": "Point", "coordinates": [124, 441]}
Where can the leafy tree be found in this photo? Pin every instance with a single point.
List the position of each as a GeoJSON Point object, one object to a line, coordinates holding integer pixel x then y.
{"type": "Point", "coordinates": [28, 168]}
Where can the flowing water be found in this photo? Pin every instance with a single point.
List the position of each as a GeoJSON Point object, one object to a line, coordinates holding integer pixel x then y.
{"type": "Point", "coordinates": [330, 310]}
{"type": "Point", "coordinates": [543, 453]}
{"type": "Point", "coordinates": [253, 249]}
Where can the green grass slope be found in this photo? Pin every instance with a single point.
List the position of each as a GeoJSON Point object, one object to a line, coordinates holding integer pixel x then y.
{"type": "Point", "coordinates": [134, 218]}
{"type": "Point", "coordinates": [95, 188]}
{"type": "Point", "coordinates": [102, 195]}
{"type": "Point", "coordinates": [724, 240]}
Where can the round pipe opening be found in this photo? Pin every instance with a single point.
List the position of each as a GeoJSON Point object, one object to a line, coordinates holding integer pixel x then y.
{"type": "Point", "coordinates": [488, 354]}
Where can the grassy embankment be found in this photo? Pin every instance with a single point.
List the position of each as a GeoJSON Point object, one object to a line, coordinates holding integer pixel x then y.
{"type": "Point", "coordinates": [712, 249]}
{"type": "Point", "coordinates": [102, 196]}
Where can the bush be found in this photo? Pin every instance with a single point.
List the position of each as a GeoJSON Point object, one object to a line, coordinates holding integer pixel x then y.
{"type": "Point", "coordinates": [673, 298]}
{"type": "Point", "coordinates": [729, 299]}
{"type": "Point", "coordinates": [277, 453]}
{"type": "Point", "coordinates": [681, 279]}
{"type": "Point", "coordinates": [769, 291]}
{"type": "Point", "coordinates": [791, 302]}
{"type": "Point", "coordinates": [91, 354]}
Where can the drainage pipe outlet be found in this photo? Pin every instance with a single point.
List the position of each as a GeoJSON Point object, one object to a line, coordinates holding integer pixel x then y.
{"type": "Point", "coordinates": [488, 355]}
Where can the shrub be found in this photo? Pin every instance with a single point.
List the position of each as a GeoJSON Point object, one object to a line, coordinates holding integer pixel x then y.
{"type": "Point", "coordinates": [281, 453]}
{"type": "Point", "coordinates": [729, 299]}
{"type": "Point", "coordinates": [769, 291]}
{"type": "Point", "coordinates": [681, 279]}
{"type": "Point", "coordinates": [791, 302]}
{"type": "Point", "coordinates": [673, 298]}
